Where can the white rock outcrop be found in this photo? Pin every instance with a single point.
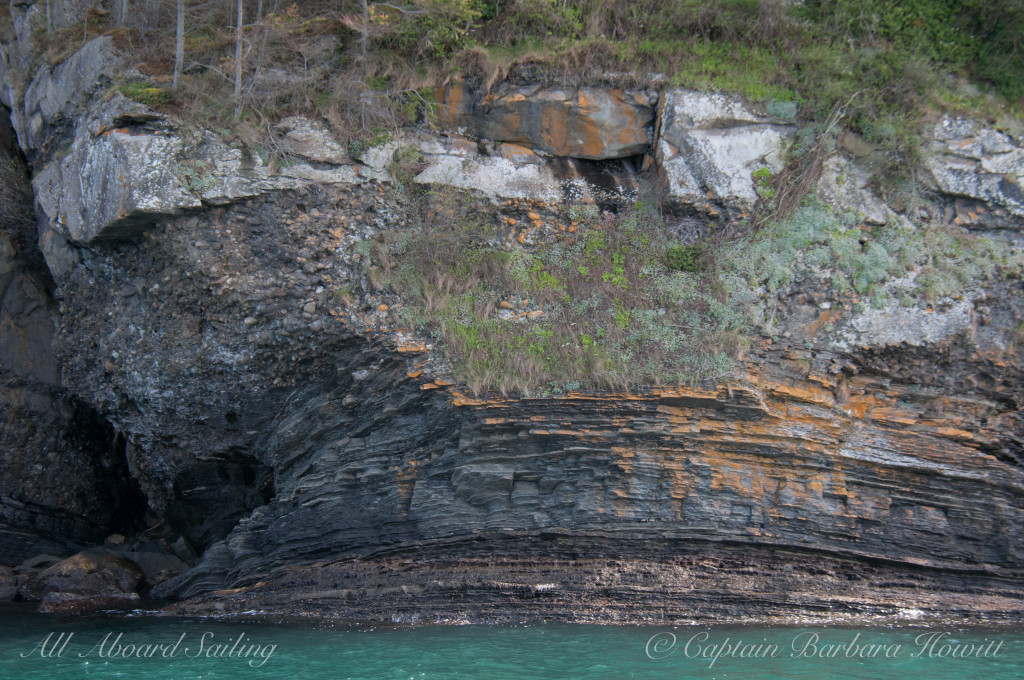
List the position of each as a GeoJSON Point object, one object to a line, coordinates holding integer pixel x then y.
{"type": "Point", "coordinates": [970, 160]}
{"type": "Point", "coordinates": [709, 145]}
{"type": "Point", "coordinates": [457, 162]}
{"type": "Point", "coordinates": [129, 166]}
{"type": "Point", "coordinates": [846, 185]}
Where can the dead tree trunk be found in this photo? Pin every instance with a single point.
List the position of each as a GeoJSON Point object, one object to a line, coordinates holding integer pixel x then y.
{"type": "Point", "coordinates": [363, 31]}
{"type": "Point", "coordinates": [179, 43]}
{"type": "Point", "coordinates": [238, 60]}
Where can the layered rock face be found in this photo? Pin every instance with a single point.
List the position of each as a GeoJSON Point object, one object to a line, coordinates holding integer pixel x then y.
{"type": "Point", "coordinates": [774, 459]}
{"type": "Point", "coordinates": [274, 407]}
{"type": "Point", "coordinates": [65, 481]}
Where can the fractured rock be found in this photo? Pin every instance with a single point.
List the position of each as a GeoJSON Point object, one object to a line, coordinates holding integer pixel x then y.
{"type": "Point", "coordinates": [710, 144]}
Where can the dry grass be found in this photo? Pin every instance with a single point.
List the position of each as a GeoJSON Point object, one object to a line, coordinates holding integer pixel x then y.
{"type": "Point", "coordinates": [596, 307]}
{"type": "Point", "coordinates": [799, 177]}
{"type": "Point", "coordinates": [16, 197]}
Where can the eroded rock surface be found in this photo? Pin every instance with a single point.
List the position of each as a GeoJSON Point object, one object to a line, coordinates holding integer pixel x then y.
{"type": "Point", "coordinates": [774, 459]}
{"type": "Point", "coordinates": [710, 144]}
{"type": "Point", "coordinates": [974, 161]}
{"type": "Point", "coordinates": [127, 167]}
{"type": "Point", "coordinates": [502, 578]}
{"type": "Point", "coordinates": [64, 481]}
{"type": "Point", "coordinates": [584, 122]}
{"type": "Point", "coordinates": [92, 579]}
{"type": "Point", "coordinates": [217, 317]}
{"type": "Point", "coordinates": [846, 186]}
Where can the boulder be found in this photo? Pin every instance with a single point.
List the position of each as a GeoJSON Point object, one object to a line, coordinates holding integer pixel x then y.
{"type": "Point", "coordinates": [458, 162]}
{"type": "Point", "coordinates": [129, 167]}
{"type": "Point", "coordinates": [584, 122]}
{"type": "Point", "coordinates": [310, 140]}
{"type": "Point", "coordinates": [511, 171]}
{"type": "Point", "coordinates": [710, 145]}
{"type": "Point", "coordinates": [39, 562]}
{"type": "Point", "coordinates": [68, 603]}
{"type": "Point", "coordinates": [969, 160]}
{"type": "Point", "coordinates": [94, 578]}
{"type": "Point", "coordinates": [60, 256]}
{"type": "Point", "coordinates": [157, 566]}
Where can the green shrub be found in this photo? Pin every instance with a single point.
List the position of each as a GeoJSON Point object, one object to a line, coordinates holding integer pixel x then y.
{"type": "Point", "coordinates": [145, 93]}
{"type": "Point", "coordinates": [681, 258]}
{"type": "Point", "coordinates": [604, 309]}
{"type": "Point", "coordinates": [761, 185]}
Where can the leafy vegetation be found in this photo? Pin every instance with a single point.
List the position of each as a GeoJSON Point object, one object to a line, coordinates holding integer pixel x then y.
{"type": "Point", "coordinates": [598, 306]}
{"type": "Point", "coordinates": [617, 304]}
{"type": "Point", "coordinates": [886, 62]}
{"type": "Point", "coordinates": [145, 93]}
{"type": "Point", "coordinates": [915, 265]}
{"type": "Point", "coordinates": [682, 258]}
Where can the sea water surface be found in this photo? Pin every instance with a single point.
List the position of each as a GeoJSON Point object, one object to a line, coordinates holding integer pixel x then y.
{"type": "Point", "coordinates": [95, 646]}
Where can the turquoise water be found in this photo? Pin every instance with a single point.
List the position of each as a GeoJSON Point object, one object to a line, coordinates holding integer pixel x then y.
{"type": "Point", "coordinates": [105, 647]}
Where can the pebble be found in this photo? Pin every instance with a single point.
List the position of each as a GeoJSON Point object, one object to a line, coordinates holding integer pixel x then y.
{"type": "Point", "coordinates": [309, 307]}
{"type": "Point", "coordinates": [249, 321]}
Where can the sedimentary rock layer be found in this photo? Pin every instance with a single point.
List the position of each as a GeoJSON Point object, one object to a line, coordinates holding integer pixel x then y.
{"type": "Point", "coordinates": [225, 324]}
{"type": "Point", "coordinates": [502, 578]}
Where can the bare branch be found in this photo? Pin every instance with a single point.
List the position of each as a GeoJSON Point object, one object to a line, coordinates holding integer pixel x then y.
{"type": "Point", "coordinates": [404, 10]}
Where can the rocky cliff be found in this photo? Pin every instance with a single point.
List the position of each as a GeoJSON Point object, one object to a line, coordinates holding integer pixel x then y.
{"type": "Point", "coordinates": [210, 345]}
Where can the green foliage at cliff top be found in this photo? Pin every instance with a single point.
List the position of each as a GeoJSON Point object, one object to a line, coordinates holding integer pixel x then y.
{"type": "Point", "coordinates": [890, 62]}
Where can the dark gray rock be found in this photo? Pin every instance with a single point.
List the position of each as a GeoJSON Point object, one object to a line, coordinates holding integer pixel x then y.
{"type": "Point", "coordinates": [309, 450]}
{"type": "Point", "coordinates": [157, 566]}
{"type": "Point", "coordinates": [8, 584]}
{"type": "Point", "coordinates": [39, 562]}
{"type": "Point", "coordinates": [64, 480]}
